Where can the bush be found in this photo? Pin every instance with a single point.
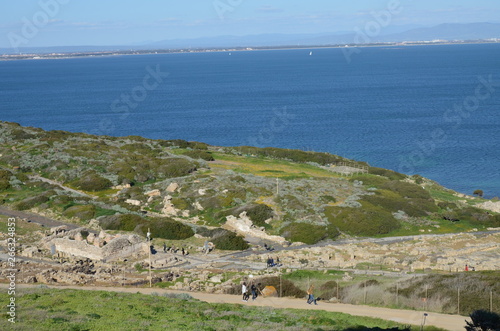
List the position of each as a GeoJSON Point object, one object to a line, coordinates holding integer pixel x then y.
{"type": "Point", "coordinates": [328, 199]}
{"type": "Point", "coordinates": [91, 181]}
{"type": "Point", "coordinates": [31, 202]}
{"type": "Point", "coordinates": [123, 222]}
{"type": "Point", "coordinates": [370, 180]}
{"type": "Point", "coordinates": [329, 290]}
{"type": "Point", "coordinates": [231, 197]}
{"type": "Point", "coordinates": [369, 220]}
{"type": "Point", "coordinates": [5, 175]}
{"type": "Point", "coordinates": [180, 203]}
{"type": "Point", "coordinates": [392, 175]}
{"type": "Point", "coordinates": [393, 202]}
{"type": "Point", "coordinates": [288, 288]}
{"type": "Point", "coordinates": [230, 242]}
{"type": "Point", "coordinates": [4, 184]}
{"type": "Point", "coordinates": [84, 213]}
{"type": "Point", "coordinates": [166, 229]}
{"type": "Point", "coordinates": [307, 233]}
{"type": "Point", "coordinates": [482, 320]}
{"type": "Point", "coordinates": [176, 167]}
{"type": "Point", "coordinates": [447, 205]}
{"type": "Point", "coordinates": [407, 190]}
{"type": "Point", "coordinates": [210, 203]}
{"type": "Point", "coordinates": [259, 214]}
{"type": "Point", "coordinates": [479, 193]}
{"type": "Point", "coordinates": [196, 154]}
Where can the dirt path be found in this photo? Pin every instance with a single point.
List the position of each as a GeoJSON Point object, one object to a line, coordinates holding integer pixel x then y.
{"type": "Point", "coordinates": [44, 221]}
{"type": "Point", "coordinates": [53, 182]}
{"type": "Point", "coordinates": [448, 322]}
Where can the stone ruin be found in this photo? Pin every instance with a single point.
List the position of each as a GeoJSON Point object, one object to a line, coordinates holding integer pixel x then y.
{"type": "Point", "coordinates": [84, 243]}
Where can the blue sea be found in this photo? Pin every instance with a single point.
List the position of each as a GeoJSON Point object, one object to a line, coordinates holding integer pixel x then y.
{"type": "Point", "coordinates": [428, 110]}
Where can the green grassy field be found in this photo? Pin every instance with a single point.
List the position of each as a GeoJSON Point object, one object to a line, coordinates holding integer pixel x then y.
{"type": "Point", "coordinates": [48, 309]}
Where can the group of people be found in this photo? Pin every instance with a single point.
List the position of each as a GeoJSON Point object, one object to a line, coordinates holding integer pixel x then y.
{"type": "Point", "coordinates": [173, 249]}
{"type": "Point", "coordinates": [254, 291]}
{"type": "Point", "coordinates": [246, 292]}
{"type": "Point", "coordinates": [469, 268]}
{"type": "Point", "coordinates": [271, 263]}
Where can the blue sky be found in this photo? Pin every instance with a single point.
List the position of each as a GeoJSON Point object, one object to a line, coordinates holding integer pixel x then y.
{"type": "Point", "coordinates": [122, 22]}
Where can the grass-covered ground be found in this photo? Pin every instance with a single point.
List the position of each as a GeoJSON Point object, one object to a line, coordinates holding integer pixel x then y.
{"type": "Point", "coordinates": [48, 309]}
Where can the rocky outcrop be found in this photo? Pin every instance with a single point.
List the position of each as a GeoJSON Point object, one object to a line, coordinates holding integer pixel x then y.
{"type": "Point", "coordinates": [243, 225]}
{"type": "Point", "coordinates": [490, 205]}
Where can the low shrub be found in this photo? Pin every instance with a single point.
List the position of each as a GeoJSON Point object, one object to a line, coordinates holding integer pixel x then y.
{"type": "Point", "coordinates": [392, 175]}
{"type": "Point", "coordinates": [31, 202]}
{"type": "Point", "coordinates": [307, 233]}
{"type": "Point", "coordinates": [181, 203]}
{"type": "Point", "coordinates": [328, 199]}
{"type": "Point", "coordinates": [176, 167]}
{"type": "Point", "coordinates": [370, 180]}
{"type": "Point", "coordinates": [328, 290]}
{"type": "Point", "coordinates": [288, 288]}
{"type": "Point", "coordinates": [447, 205]}
{"type": "Point", "coordinates": [393, 202]}
{"type": "Point", "coordinates": [4, 184]}
{"type": "Point", "coordinates": [123, 222]}
{"type": "Point", "coordinates": [166, 228]}
{"type": "Point", "coordinates": [483, 320]}
{"type": "Point", "coordinates": [407, 190]}
{"type": "Point", "coordinates": [259, 214]}
{"type": "Point", "coordinates": [91, 181]}
{"type": "Point", "coordinates": [368, 220]}
{"type": "Point", "coordinates": [197, 154]}
{"type": "Point", "coordinates": [230, 242]}
{"type": "Point", "coordinates": [5, 174]}
{"type": "Point", "coordinates": [84, 213]}
{"type": "Point", "coordinates": [231, 196]}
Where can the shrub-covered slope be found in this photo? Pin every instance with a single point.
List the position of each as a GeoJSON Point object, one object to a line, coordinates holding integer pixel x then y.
{"type": "Point", "coordinates": [178, 188]}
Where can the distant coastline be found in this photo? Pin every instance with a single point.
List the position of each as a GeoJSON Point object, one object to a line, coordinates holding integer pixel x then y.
{"type": "Point", "coordinates": [69, 55]}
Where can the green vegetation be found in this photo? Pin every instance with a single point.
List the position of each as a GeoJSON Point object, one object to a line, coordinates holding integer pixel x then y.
{"type": "Point", "coordinates": [84, 213]}
{"type": "Point", "coordinates": [369, 220]}
{"type": "Point", "coordinates": [483, 320]}
{"type": "Point", "coordinates": [49, 309]}
{"type": "Point", "coordinates": [289, 192]}
{"type": "Point", "coordinates": [230, 242]}
{"type": "Point", "coordinates": [91, 181]}
{"type": "Point", "coordinates": [197, 154]}
{"type": "Point", "coordinates": [164, 228]}
{"type": "Point", "coordinates": [308, 233]}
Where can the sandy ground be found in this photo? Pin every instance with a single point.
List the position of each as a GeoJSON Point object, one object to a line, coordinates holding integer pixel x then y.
{"type": "Point", "coordinates": [448, 322]}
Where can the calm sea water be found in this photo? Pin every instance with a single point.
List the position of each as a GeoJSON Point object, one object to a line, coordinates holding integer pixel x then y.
{"type": "Point", "coordinates": [400, 108]}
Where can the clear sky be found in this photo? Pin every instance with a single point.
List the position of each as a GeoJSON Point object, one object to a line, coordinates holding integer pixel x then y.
{"type": "Point", "coordinates": [122, 22]}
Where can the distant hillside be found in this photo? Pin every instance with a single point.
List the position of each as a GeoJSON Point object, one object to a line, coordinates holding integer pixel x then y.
{"type": "Point", "coordinates": [472, 31]}
{"type": "Point", "coordinates": [131, 183]}
{"type": "Point", "coordinates": [451, 32]}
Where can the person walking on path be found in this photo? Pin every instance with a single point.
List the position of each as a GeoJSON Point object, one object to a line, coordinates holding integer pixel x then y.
{"type": "Point", "coordinates": [244, 291]}
{"type": "Point", "coordinates": [253, 289]}
{"type": "Point", "coordinates": [310, 295]}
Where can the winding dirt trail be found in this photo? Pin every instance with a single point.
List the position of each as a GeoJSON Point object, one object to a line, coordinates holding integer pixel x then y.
{"type": "Point", "coordinates": [447, 322]}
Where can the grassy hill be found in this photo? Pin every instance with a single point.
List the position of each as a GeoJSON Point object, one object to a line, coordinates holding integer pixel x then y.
{"type": "Point", "coordinates": [296, 194]}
